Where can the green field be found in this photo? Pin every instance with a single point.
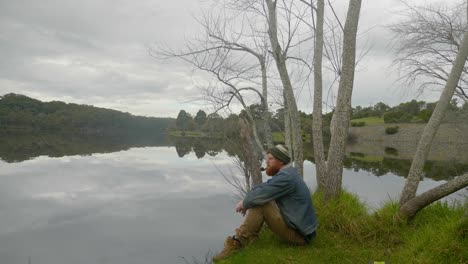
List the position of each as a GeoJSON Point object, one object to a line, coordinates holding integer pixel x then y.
{"type": "Point", "coordinates": [370, 120]}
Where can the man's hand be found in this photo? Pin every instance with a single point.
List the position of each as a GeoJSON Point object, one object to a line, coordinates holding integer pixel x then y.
{"type": "Point", "coordinates": [240, 208]}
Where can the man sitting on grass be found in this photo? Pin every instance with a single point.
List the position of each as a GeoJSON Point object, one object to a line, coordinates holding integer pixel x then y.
{"type": "Point", "coordinates": [283, 202]}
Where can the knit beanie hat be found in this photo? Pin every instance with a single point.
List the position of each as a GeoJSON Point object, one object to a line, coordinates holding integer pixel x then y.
{"type": "Point", "coordinates": [280, 152]}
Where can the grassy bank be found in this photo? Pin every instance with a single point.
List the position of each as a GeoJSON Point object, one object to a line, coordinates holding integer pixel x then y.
{"type": "Point", "coordinates": [349, 234]}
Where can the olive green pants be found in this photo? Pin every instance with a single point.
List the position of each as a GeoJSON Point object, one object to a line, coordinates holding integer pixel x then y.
{"type": "Point", "coordinates": [270, 214]}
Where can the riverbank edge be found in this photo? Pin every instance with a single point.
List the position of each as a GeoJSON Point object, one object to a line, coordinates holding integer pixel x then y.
{"type": "Point", "coordinates": [349, 234]}
{"type": "Point", "coordinates": [408, 132]}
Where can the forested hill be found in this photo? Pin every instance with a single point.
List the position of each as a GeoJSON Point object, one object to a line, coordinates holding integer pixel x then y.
{"type": "Point", "coordinates": [19, 112]}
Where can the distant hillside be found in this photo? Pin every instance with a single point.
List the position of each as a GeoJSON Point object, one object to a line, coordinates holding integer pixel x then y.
{"type": "Point", "coordinates": [19, 112]}
{"type": "Point", "coordinates": [450, 141]}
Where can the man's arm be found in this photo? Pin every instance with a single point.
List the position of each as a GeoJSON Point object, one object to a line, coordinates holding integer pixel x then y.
{"type": "Point", "coordinates": [278, 186]}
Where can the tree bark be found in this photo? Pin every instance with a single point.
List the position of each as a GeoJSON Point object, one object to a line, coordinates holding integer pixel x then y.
{"type": "Point", "coordinates": [287, 127]}
{"type": "Point", "coordinates": [341, 117]}
{"type": "Point", "coordinates": [280, 59]}
{"type": "Point", "coordinates": [415, 173]}
{"type": "Point", "coordinates": [266, 113]}
{"type": "Point", "coordinates": [410, 208]}
{"type": "Point", "coordinates": [317, 136]}
{"type": "Point", "coordinates": [252, 124]}
{"type": "Point", "coordinates": [251, 158]}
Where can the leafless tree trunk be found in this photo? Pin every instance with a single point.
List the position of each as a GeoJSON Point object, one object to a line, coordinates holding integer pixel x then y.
{"type": "Point", "coordinates": [266, 113]}
{"type": "Point", "coordinates": [410, 208]}
{"type": "Point", "coordinates": [251, 160]}
{"type": "Point", "coordinates": [317, 136]}
{"type": "Point", "coordinates": [340, 121]}
{"type": "Point", "coordinates": [415, 173]}
{"type": "Point", "coordinates": [287, 126]}
{"type": "Point", "coordinates": [280, 59]}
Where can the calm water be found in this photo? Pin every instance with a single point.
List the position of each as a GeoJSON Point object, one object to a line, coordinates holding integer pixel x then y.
{"type": "Point", "coordinates": [156, 204]}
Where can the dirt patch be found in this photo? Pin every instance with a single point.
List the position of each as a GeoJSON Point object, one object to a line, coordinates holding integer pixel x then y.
{"type": "Point", "coordinates": [450, 142]}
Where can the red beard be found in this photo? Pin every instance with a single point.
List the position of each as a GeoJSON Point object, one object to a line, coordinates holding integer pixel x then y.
{"type": "Point", "coordinates": [271, 171]}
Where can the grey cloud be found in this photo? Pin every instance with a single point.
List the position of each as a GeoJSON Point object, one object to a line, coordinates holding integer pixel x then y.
{"type": "Point", "coordinates": [92, 52]}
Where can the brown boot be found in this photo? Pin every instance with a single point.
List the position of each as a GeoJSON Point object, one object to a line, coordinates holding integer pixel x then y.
{"type": "Point", "coordinates": [231, 244]}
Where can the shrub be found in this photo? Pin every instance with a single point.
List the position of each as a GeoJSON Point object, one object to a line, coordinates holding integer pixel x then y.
{"type": "Point", "coordinates": [405, 118]}
{"type": "Point", "coordinates": [391, 130]}
{"type": "Point", "coordinates": [391, 151]}
{"type": "Point", "coordinates": [397, 117]}
{"type": "Point", "coordinates": [392, 117]}
{"type": "Point", "coordinates": [424, 115]}
{"type": "Point", "coordinates": [358, 124]}
{"type": "Point", "coordinates": [352, 138]}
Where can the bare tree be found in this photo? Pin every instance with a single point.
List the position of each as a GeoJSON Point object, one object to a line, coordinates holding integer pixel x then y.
{"type": "Point", "coordinates": [280, 56]}
{"type": "Point", "coordinates": [246, 162]}
{"type": "Point", "coordinates": [221, 52]}
{"type": "Point", "coordinates": [317, 136]}
{"type": "Point", "coordinates": [409, 202]}
{"type": "Point", "coordinates": [427, 42]}
{"type": "Point", "coordinates": [340, 122]}
{"type": "Point", "coordinates": [329, 170]}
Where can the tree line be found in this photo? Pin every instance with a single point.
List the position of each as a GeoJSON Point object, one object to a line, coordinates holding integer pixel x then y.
{"type": "Point", "coordinates": [19, 112]}
{"type": "Point", "coordinates": [407, 112]}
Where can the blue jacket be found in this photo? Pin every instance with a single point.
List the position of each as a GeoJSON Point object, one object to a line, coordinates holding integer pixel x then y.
{"type": "Point", "coordinates": [292, 197]}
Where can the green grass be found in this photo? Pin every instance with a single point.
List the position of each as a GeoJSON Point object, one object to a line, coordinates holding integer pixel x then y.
{"type": "Point", "coordinates": [368, 158]}
{"type": "Point", "coordinates": [349, 234]}
{"type": "Point", "coordinates": [370, 120]}
{"type": "Point", "coordinates": [278, 137]}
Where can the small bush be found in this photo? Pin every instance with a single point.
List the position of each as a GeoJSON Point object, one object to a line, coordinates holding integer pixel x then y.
{"type": "Point", "coordinates": [397, 117]}
{"type": "Point", "coordinates": [357, 154]}
{"type": "Point", "coordinates": [392, 130]}
{"type": "Point", "coordinates": [358, 124]}
{"type": "Point", "coordinates": [352, 138]}
{"type": "Point", "coordinates": [392, 117]}
{"type": "Point", "coordinates": [391, 151]}
{"type": "Point", "coordinates": [425, 115]}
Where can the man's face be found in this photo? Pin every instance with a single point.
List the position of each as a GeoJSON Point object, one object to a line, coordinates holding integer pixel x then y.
{"type": "Point", "coordinates": [273, 165]}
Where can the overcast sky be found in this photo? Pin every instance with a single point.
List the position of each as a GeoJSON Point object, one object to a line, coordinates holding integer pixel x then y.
{"type": "Point", "coordinates": [95, 52]}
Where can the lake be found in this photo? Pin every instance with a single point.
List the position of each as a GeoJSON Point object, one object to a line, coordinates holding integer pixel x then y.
{"type": "Point", "coordinates": [121, 200]}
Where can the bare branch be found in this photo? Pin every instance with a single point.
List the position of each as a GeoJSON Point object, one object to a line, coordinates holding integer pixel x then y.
{"type": "Point", "coordinates": [427, 42]}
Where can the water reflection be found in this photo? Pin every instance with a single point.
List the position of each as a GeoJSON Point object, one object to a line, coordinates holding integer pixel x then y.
{"type": "Point", "coordinates": [444, 169]}
{"type": "Point", "coordinates": [150, 199]}
{"type": "Point", "coordinates": [144, 205]}
{"type": "Point", "coordinates": [20, 147]}
{"type": "Point", "coordinates": [17, 147]}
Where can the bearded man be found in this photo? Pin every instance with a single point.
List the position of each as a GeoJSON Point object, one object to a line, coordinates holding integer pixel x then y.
{"type": "Point", "coordinates": [283, 203]}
